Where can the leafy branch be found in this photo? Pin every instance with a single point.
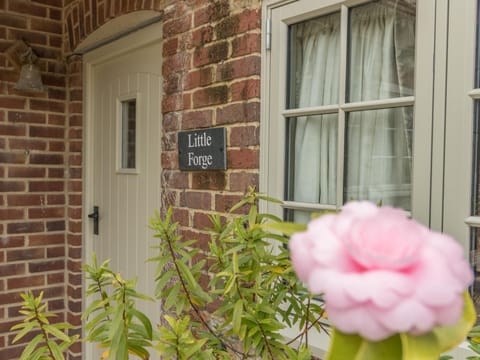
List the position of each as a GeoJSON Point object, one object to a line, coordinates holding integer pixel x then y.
{"type": "Point", "coordinates": [252, 289]}
{"type": "Point", "coordinates": [113, 319]}
{"type": "Point", "coordinates": [51, 341]}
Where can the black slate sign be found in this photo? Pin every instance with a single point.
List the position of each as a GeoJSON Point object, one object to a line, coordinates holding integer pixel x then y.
{"type": "Point", "coordinates": [202, 149]}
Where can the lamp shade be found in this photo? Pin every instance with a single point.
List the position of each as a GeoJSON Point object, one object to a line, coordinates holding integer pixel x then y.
{"type": "Point", "coordinates": [30, 79]}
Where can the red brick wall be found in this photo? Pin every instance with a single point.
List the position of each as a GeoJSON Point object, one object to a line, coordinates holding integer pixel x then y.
{"type": "Point", "coordinates": [33, 159]}
{"type": "Point", "coordinates": [211, 75]}
{"type": "Point", "coordinates": [211, 71]}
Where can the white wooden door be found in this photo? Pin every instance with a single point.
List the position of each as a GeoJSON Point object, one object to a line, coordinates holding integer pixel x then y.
{"type": "Point", "coordinates": [123, 158]}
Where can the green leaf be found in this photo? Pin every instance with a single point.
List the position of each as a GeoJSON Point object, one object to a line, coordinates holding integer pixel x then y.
{"type": "Point", "coordinates": [237, 316]}
{"type": "Point", "coordinates": [51, 329]}
{"type": "Point", "coordinates": [27, 327]}
{"type": "Point", "coordinates": [31, 346]}
{"type": "Point", "coordinates": [287, 228]}
{"type": "Point", "coordinates": [423, 347]}
{"type": "Point", "coordinates": [147, 325]}
{"type": "Point", "coordinates": [449, 337]}
{"type": "Point", "coordinates": [345, 346]}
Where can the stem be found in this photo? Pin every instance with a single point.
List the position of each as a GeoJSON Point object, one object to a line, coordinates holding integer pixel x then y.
{"type": "Point", "coordinates": [44, 333]}
{"type": "Point", "coordinates": [104, 296]}
{"type": "Point", "coordinates": [194, 307]}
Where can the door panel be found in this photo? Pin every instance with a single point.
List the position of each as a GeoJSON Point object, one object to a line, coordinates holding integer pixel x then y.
{"type": "Point", "coordinates": [126, 197]}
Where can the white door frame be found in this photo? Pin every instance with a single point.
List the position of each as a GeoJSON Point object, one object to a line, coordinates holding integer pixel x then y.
{"type": "Point", "coordinates": [138, 39]}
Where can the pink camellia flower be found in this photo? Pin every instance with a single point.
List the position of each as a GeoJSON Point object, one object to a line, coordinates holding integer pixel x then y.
{"type": "Point", "coordinates": [380, 272]}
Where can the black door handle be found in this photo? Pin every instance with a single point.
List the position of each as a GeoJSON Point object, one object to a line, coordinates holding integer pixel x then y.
{"type": "Point", "coordinates": [95, 216]}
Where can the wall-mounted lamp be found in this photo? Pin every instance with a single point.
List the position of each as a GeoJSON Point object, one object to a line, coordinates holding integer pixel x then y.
{"type": "Point", "coordinates": [24, 58]}
{"type": "Point", "coordinates": [30, 78]}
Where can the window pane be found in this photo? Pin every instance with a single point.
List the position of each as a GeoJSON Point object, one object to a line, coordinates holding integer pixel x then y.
{"type": "Point", "coordinates": [314, 62]}
{"type": "Point", "coordinates": [312, 159]}
{"type": "Point", "coordinates": [378, 156]}
{"type": "Point", "coordinates": [129, 118]}
{"type": "Point", "coordinates": [381, 50]}
{"type": "Point", "coordinates": [298, 216]}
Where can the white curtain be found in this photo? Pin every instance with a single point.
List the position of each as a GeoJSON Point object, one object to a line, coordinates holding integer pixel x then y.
{"type": "Point", "coordinates": [378, 142]}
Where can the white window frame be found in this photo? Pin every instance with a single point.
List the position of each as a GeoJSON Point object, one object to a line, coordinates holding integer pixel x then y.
{"type": "Point", "coordinates": [443, 113]}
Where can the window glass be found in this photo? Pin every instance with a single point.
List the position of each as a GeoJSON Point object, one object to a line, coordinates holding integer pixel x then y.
{"type": "Point", "coordinates": [129, 118]}
{"type": "Point", "coordinates": [381, 50]}
{"type": "Point", "coordinates": [314, 62]}
{"type": "Point", "coordinates": [376, 160]}
{"type": "Point", "coordinates": [378, 156]}
{"type": "Point", "coordinates": [312, 159]}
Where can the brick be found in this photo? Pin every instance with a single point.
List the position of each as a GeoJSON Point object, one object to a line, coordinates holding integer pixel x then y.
{"type": "Point", "coordinates": [26, 172]}
{"type": "Point", "coordinates": [43, 266]}
{"type": "Point", "coordinates": [25, 200]}
{"type": "Point", "coordinates": [55, 225]}
{"type": "Point", "coordinates": [176, 63]}
{"type": "Point", "coordinates": [53, 3]}
{"type": "Point", "coordinates": [214, 180]}
{"type": "Point", "coordinates": [46, 239]}
{"type": "Point", "coordinates": [196, 200]}
{"type": "Point", "coordinates": [59, 251]}
{"type": "Point", "coordinates": [213, 12]}
{"type": "Point", "coordinates": [13, 21]}
{"type": "Point", "coordinates": [175, 179]}
{"type": "Point", "coordinates": [12, 186]}
{"type": "Point", "coordinates": [210, 54]}
{"type": "Point", "coordinates": [26, 117]}
{"type": "Point", "coordinates": [198, 78]}
{"type": "Point", "coordinates": [197, 119]}
{"type": "Point", "coordinates": [12, 158]}
{"type": "Point", "coordinates": [241, 181]}
{"type": "Point", "coordinates": [238, 68]}
{"type": "Point", "coordinates": [181, 216]}
{"type": "Point", "coordinates": [46, 212]}
{"type": "Point", "coordinates": [27, 144]}
{"type": "Point", "coordinates": [12, 241]}
{"type": "Point", "coordinates": [55, 119]}
{"type": "Point", "coordinates": [177, 26]}
{"type": "Point", "coordinates": [245, 89]}
{"type": "Point", "coordinates": [25, 227]}
{"type": "Point", "coordinates": [202, 36]}
{"type": "Point", "coordinates": [12, 130]}
{"type": "Point", "coordinates": [169, 160]}
{"type": "Point", "coordinates": [224, 202]}
{"type": "Point", "coordinates": [12, 269]}
{"type": "Point", "coordinates": [246, 44]}
{"type": "Point", "coordinates": [11, 214]}
{"type": "Point", "coordinates": [55, 278]}
{"type": "Point", "coordinates": [56, 173]}
{"type": "Point", "coordinates": [44, 105]}
{"type": "Point", "coordinates": [238, 112]}
{"type": "Point", "coordinates": [46, 159]}
{"type": "Point", "coordinates": [170, 47]}
{"type": "Point", "coordinates": [55, 199]}
{"type": "Point", "coordinates": [56, 305]}
{"type": "Point", "coordinates": [201, 221]}
{"type": "Point", "coordinates": [242, 159]}
{"type": "Point", "coordinates": [75, 146]}
{"type": "Point", "coordinates": [45, 25]}
{"type": "Point", "coordinates": [27, 8]}
{"type": "Point", "coordinates": [56, 146]}
{"type": "Point", "coordinates": [244, 136]}
{"type": "Point", "coordinates": [46, 132]}
{"type": "Point", "coordinates": [25, 254]}
{"type": "Point", "coordinates": [213, 95]}
{"type": "Point", "coordinates": [37, 186]}
{"type": "Point", "coordinates": [175, 102]}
